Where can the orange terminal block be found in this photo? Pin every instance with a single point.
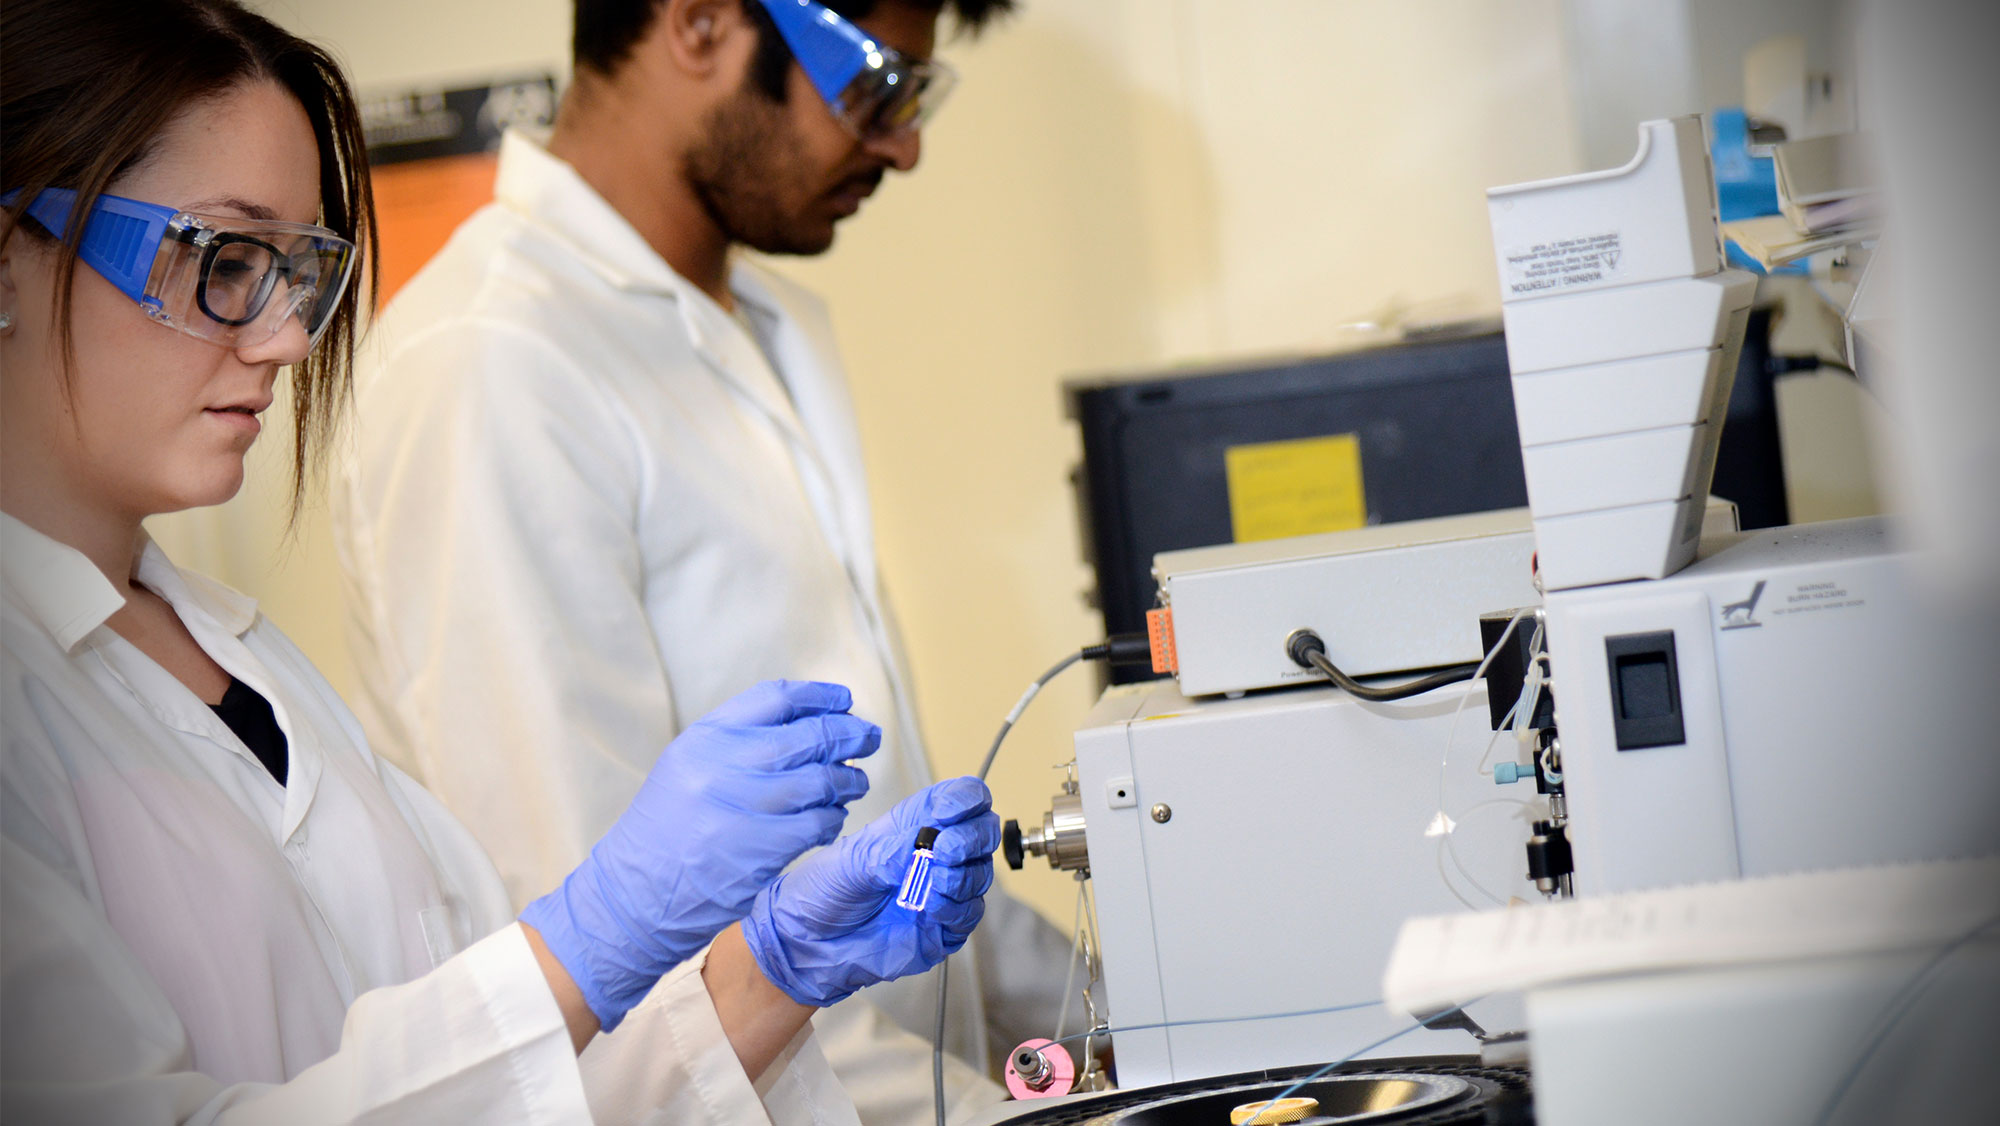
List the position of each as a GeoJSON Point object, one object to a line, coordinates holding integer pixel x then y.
{"type": "Point", "coordinates": [1160, 631]}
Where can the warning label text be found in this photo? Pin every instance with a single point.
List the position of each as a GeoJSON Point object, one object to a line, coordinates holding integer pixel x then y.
{"type": "Point", "coordinates": [1563, 263]}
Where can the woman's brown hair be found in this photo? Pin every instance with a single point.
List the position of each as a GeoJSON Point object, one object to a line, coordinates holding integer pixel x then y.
{"type": "Point", "coordinates": [86, 86]}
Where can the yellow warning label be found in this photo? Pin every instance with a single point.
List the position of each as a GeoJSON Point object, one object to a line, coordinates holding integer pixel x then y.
{"type": "Point", "coordinates": [1295, 488]}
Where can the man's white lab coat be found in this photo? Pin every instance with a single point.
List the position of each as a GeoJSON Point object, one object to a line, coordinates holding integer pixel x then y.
{"type": "Point", "coordinates": [582, 509]}
{"type": "Point", "coordinates": [183, 940]}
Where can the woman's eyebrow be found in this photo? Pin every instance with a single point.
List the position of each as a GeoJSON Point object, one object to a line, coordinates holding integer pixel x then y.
{"type": "Point", "coordinates": [248, 209]}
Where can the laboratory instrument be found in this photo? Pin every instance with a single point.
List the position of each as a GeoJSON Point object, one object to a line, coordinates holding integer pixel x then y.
{"type": "Point", "coordinates": [1759, 726]}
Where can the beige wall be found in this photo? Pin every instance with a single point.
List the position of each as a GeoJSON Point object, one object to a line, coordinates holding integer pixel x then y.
{"type": "Point", "coordinates": [1140, 183]}
{"type": "Point", "coordinates": [1118, 184]}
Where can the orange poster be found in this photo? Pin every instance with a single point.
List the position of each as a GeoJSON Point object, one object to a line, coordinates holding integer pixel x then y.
{"type": "Point", "coordinates": [419, 204]}
{"type": "Point", "coordinates": [432, 160]}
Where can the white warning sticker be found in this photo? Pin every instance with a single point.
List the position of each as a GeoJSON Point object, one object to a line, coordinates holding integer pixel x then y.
{"type": "Point", "coordinates": [1561, 264]}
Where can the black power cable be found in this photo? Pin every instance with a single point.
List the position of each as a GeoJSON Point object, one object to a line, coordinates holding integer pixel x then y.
{"type": "Point", "coordinates": [1306, 650]}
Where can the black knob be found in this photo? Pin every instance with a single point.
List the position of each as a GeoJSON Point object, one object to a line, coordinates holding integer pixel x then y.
{"type": "Point", "coordinates": [1010, 845]}
{"type": "Point", "coordinates": [1549, 855]}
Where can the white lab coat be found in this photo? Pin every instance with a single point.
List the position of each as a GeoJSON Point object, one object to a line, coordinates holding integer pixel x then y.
{"type": "Point", "coordinates": [581, 510]}
{"type": "Point", "coordinates": [185, 940]}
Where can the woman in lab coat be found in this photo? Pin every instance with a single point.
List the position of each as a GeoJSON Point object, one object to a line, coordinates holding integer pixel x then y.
{"type": "Point", "coordinates": [217, 904]}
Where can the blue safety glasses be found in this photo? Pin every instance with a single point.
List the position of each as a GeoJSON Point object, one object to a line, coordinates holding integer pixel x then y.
{"type": "Point", "coordinates": [233, 281]}
{"type": "Point", "coordinates": [872, 88]}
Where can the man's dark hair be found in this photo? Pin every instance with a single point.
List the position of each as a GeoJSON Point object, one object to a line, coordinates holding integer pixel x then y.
{"type": "Point", "coordinates": [607, 30]}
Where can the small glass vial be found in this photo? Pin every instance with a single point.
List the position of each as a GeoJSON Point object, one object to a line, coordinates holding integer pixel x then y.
{"type": "Point", "coordinates": [916, 890]}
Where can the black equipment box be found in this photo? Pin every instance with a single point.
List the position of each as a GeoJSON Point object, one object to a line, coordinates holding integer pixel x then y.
{"type": "Point", "coordinates": [1433, 420]}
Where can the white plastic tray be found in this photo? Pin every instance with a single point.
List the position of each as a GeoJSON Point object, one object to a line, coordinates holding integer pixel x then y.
{"type": "Point", "coordinates": [1615, 472]}
{"type": "Point", "coordinates": [1653, 219]}
{"type": "Point", "coordinates": [1646, 541]}
{"type": "Point", "coordinates": [1616, 397]}
{"type": "Point", "coordinates": [1681, 315]}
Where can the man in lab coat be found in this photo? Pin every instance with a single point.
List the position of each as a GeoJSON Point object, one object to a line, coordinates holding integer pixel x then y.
{"type": "Point", "coordinates": [606, 471]}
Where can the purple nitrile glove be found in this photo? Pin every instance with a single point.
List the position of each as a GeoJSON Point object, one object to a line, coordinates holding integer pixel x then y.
{"type": "Point", "coordinates": [831, 925]}
{"type": "Point", "coordinates": [738, 796]}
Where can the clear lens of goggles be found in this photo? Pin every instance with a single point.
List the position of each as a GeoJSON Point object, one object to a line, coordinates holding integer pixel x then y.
{"type": "Point", "coordinates": [234, 281]}
{"type": "Point", "coordinates": [897, 97]}
{"type": "Point", "coordinates": [239, 282]}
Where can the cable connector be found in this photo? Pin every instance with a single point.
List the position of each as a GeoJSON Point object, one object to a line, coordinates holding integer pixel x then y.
{"type": "Point", "coordinates": [1165, 656]}
{"type": "Point", "coordinates": [1301, 646]}
{"type": "Point", "coordinates": [1122, 649]}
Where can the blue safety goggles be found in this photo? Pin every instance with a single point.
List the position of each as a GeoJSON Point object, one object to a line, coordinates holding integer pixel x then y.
{"type": "Point", "coordinates": [872, 88]}
{"type": "Point", "coordinates": [223, 278]}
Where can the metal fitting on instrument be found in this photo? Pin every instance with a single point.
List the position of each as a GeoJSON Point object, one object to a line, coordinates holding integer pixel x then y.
{"type": "Point", "coordinates": [1060, 839]}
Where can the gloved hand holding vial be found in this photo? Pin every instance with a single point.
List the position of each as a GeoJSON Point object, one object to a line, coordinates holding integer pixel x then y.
{"type": "Point", "coordinates": [739, 795]}
{"type": "Point", "coordinates": [833, 924]}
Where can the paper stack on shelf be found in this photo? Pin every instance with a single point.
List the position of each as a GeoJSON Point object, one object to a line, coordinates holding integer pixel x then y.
{"type": "Point", "coordinates": [1622, 332]}
{"type": "Point", "coordinates": [1774, 242]}
{"type": "Point", "coordinates": [1823, 182]}
{"type": "Point", "coordinates": [1826, 200]}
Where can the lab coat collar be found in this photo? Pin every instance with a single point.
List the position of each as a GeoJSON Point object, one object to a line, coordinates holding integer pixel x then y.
{"type": "Point", "coordinates": [204, 604]}
{"type": "Point", "coordinates": [547, 192]}
{"type": "Point", "coordinates": [747, 285]}
{"type": "Point", "coordinates": [734, 353]}
{"type": "Point", "coordinates": [63, 591]}
{"type": "Point", "coordinates": [55, 584]}
{"type": "Point", "coordinates": [549, 195]}
{"type": "Point", "coordinates": [232, 610]}
{"type": "Point", "coordinates": [60, 589]}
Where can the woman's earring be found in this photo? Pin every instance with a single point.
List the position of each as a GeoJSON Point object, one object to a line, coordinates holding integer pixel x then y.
{"type": "Point", "coordinates": [6, 320]}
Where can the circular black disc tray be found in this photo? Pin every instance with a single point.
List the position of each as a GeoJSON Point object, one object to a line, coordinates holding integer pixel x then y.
{"type": "Point", "coordinates": [1408, 1091]}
